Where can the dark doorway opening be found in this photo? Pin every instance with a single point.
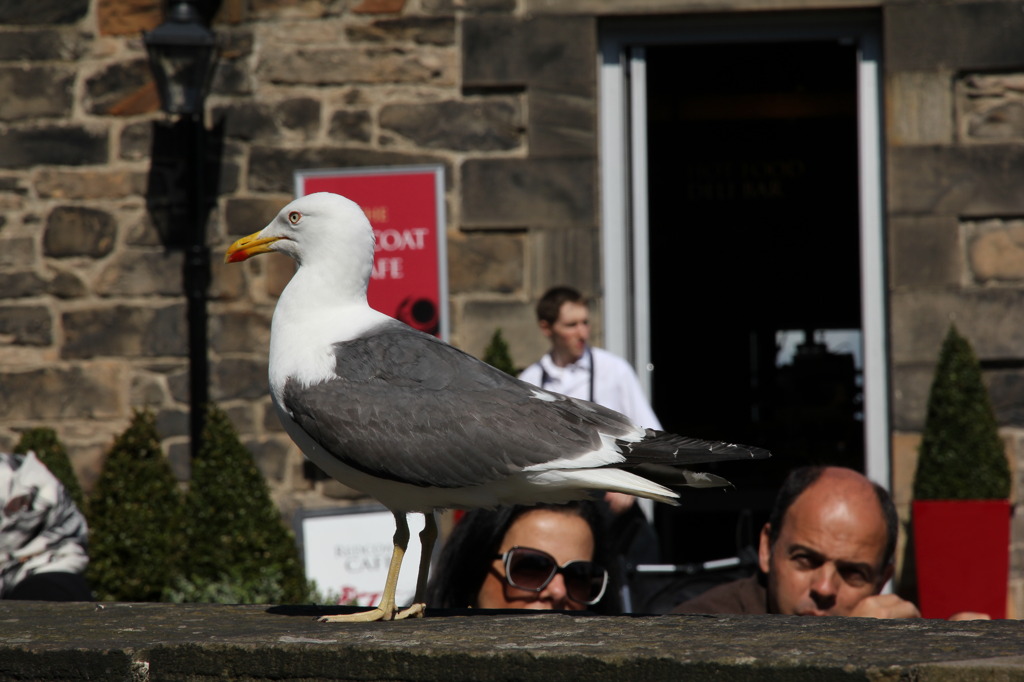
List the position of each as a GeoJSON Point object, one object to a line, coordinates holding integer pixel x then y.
{"type": "Point", "coordinates": [754, 270]}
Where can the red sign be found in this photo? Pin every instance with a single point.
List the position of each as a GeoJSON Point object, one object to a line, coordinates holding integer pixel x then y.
{"type": "Point", "coordinates": [405, 205]}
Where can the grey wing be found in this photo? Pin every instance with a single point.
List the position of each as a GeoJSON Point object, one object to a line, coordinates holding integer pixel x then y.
{"type": "Point", "coordinates": [408, 407]}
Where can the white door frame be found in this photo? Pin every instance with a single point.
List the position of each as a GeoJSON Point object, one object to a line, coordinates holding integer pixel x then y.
{"type": "Point", "coordinates": [623, 151]}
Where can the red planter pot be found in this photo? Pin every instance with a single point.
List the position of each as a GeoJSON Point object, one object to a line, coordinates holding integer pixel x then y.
{"type": "Point", "coordinates": [962, 551]}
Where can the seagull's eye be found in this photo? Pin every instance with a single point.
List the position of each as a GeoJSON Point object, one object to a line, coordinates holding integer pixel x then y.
{"type": "Point", "coordinates": [294, 217]}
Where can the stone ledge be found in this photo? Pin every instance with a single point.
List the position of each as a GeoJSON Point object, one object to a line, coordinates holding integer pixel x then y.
{"type": "Point", "coordinates": [50, 641]}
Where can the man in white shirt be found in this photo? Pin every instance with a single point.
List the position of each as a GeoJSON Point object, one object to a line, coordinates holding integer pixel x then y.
{"type": "Point", "coordinates": [572, 367]}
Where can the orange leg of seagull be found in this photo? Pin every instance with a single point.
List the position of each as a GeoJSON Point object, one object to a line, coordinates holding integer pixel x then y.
{"type": "Point", "coordinates": [386, 609]}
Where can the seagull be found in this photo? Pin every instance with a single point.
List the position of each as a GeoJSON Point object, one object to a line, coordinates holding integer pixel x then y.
{"type": "Point", "coordinates": [419, 424]}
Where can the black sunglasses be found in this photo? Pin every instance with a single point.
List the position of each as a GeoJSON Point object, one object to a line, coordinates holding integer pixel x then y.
{"type": "Point", "coordinates": [531, 569]}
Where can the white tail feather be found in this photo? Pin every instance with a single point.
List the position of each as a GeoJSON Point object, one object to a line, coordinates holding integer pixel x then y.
{"type": "Point", "coordinates": [615, 480]}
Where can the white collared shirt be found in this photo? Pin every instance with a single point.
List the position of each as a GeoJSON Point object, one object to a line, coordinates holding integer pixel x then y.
{"type": "Point", "coordinates": [615, 385]}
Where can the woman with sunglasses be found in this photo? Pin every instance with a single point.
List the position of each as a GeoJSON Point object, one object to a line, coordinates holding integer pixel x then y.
{"type": "Point", "coordinates": [542, 557]}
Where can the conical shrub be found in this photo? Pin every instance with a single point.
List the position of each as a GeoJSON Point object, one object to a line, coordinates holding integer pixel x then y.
{"type": "Point", "coordinates": [44, 442]}
{"type": "Point", "coordinates": [239, 547]}
{"type": "Point", "coordinates": [961, 455]}
{"type": "Point", "coordinates": [135, 515]}
{"type": "Point", "coordinates": [497, 355]}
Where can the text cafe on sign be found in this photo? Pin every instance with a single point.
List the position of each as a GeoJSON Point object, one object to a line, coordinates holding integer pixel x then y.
{"type": "Point", "coordinates": [405, 206]}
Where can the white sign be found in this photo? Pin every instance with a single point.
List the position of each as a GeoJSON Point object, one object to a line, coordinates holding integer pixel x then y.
{"type": "Point", "coordinates": [347, 552]}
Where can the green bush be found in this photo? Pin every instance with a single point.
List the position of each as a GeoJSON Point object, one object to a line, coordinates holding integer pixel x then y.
{"type": "Point", "coordinates": [239, 548]}
{"type": "Point", "coordinates": [135, 515]}
{"type": "Point", "coordinates": [496, 354]}
{"type": "Point", "coordinates": [961, 454]}
{"type": "Point", "coordinates": [51, 452]}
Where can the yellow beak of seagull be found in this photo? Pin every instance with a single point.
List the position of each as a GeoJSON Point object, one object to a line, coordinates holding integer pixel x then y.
{"type": "Point", "coordinates": [247, 247]}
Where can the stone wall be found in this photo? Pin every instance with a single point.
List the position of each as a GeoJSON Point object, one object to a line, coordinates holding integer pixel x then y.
{"type": "Point", "coordinates": [954, 129]}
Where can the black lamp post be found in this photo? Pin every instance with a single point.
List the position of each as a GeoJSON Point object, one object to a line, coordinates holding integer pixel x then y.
{"type": "Point", "coordinates": [181, 55]}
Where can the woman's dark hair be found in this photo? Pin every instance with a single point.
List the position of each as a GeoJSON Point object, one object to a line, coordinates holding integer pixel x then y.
{"type": "Point", "coordinates": [469, 552]}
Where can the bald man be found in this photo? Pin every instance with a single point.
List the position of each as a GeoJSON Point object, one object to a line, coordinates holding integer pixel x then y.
{"type": "Point", "coordinates": [827, 550]}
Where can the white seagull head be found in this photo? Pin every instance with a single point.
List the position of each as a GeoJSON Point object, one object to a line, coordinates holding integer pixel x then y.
{"type": "Point", "coordinates": [317, 229]}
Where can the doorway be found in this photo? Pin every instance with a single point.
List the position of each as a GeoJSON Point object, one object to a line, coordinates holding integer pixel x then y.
{"type": "Point", "coordinates": [751, 224]}
{"type": "Point", "coordinates": [753, 256]}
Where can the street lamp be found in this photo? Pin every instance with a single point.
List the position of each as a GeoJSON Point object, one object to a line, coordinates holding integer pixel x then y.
{"type": "Point", "coordinates": [181, 56]}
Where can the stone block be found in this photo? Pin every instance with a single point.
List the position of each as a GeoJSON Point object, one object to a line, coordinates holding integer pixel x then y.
{"type": "Point", "coordinates": [90, 184]}
{"type": "Point", "coordinates": [148, 389]}
{"type": "Point", "coordinates": [43, 12]}
{"type": "Point", "coordinates": [79, 231]}
{"type": "Point", "coordinates": [477, 125]}
{"type": "Point", "coordinates": [508, 193]}
{"type": "Point", "coordinates": [271, 457]}
{"type": "Point", "coordinates": [924, 251]}
{"type": "Point", "coordinates": [179, 457]}
{"type": "Point", "coordinates": [240, 417]}
{"type": "Point", "coordinates": [561, 256]}
{"type": "Point", "coordinates": [995, 250]}
{"type": "Point", "coordinates": [272, 169]}
{"type": "Point", "coordinates": [990, 107]}
{"type": "Point", "coordinates": [351, 126]}
{"type": "Point", "coordinates": [245, 215]}
{"type": "Point", "coordinates": [177, 384]}
{"type": "Point", "coordinates": [126, 331]}
{"type": "Point", "coordinates": [128, 17]}
{"type": "Point", "coordinates": [51, 145]}
{"type": "Point", "coordinates": [136, 142]}
{"type": "Point", "coordinates": [21, 283]}
{"type": "Point", "coordinates": [66, 285]}
{"type": "Point", "coordinates": [910, 386]}
{"type": "Point", "coordinates": [25, 326]}
{"type": "Point", "coordinates": [561, 125]}
{"type": "Point", "coordinates": [141, 272]}
{"type": "Point", "coordinates": [246, 331]}
{"type": "Point", "coordinates": [108, 91]}
{"type": "Point", "coordinates": [238, 379]}
{"type": "Point", "coordinates": [142, 231]}
{"type": "Point", "coordinates": [970, 181]}
{"type": "Point", "coordinates": [271, 422]}
{"type": "Point", "coordinates": [278, 272]}
{"type": "Point", "coordinates": [560, 54]}
{"type": "Point", "coordinates": [1006, 390]}
{"type": "Point", "coordinates": [35, 92]}
{"type": "Point", "coordinates": [493, 52]}
{"type": "Point", "coordinates": [992, 319]}
{"type": "Point", "coordinates": [378, 7]}
{"type": "Point", "coordinates": [227, 283]}
{"type": "Point", "coordinates": [486, 263]}
{"type": "Point", "coordinates": [93, 392]}
{"type": "Point", "coordinates": [919, 108]}
{"type": "Point", "coordinates": [555, 53]}
{"type": "Point", "coordinates": [343, 66]}
{"type": "Point", "coordinates": [172, 422]}
{"type": "Point", "coordinates": [299, 115]}
{"type": "Point", "coordinates": [249, 121]}
{"type": "Point", "coordinates": [904, 465]}
{"type": "Point", "coordinates": [472, 5]}
{"type": "Point", "coordinates": [46, 44]}
{"type": "Point", "coordinates": [16, 251]}
{"type": "Point", "coordinates": [422, 30]}
{"type": "Point", "coordinates": [923, 36]}
{"type": "Point", "coordinates": [336, 490]}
